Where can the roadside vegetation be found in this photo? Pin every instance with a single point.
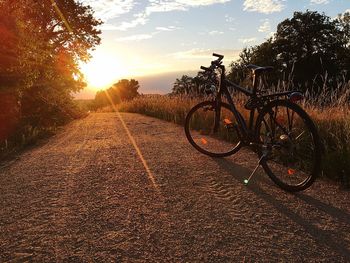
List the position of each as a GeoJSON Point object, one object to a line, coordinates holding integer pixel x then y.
{"type": "Point", "coordinates": [333, 122]}
{"type": "Point", "coordinates": [42, 43]}
{"type": "Point", "coordinates": [123, 90]}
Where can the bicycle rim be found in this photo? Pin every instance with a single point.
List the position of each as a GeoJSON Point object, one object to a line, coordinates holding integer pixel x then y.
{"type": "Point", "coordinates": [200, 132]}
{"type": "Point", "coordinates": [290, 145]}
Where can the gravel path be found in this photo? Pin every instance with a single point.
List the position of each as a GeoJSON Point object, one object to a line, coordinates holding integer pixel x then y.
{"type": "Point", "coordinates": [87, 196]}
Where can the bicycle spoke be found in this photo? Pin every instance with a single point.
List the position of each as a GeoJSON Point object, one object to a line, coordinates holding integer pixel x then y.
{"type": "Point", "coordinates": [273, 126]}
{"type": "Point", "coordinates": [280, 126]}
{"type": "Point", "coordinates": [290, 148]}
{"type": "Point", "coordinates": [301, 134]}
{"type": "Point", "coordinates": [290, 119]}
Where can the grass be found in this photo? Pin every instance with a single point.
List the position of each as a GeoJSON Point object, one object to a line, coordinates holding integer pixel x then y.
{"type": "Point", "coordinates": [173, 109]}
{"type": "Point", "coordinates": [332, 121]}
{"type": "Point", "coordinates": [334, 127]}
{"type": "Point", "coordinates": [23, 134]}
{"type": "Point", "coordinates": [24, 137]}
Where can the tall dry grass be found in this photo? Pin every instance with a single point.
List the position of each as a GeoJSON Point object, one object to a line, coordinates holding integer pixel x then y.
{"type": "Point", "coordinates": [169, 108]}
{"type": "Point", "coordinates": [330, 111]}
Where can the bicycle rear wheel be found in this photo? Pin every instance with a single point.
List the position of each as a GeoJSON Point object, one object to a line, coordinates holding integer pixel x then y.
{"type": "Point", "coordinates": [200, 132]}
{"type": "Point", "coordinates": [290, 145]}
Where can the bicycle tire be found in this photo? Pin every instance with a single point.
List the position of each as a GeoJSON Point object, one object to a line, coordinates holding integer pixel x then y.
{"type": "Point", "coordinates": [291, 177]}
{"type": "Point", "coordinates": [229, 148]}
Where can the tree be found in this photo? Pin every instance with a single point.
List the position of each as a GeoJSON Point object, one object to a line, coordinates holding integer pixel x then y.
{"type": "Point", "coordinates": [344, 21]}
{"type": "Point", "coordinates": [123, 90]}
{"type": "Point", "coordinates": [184, 85]}
{"type": "Point", "coordinates": [8, 48]}
{"type": "Point", "coordinates": [101, 99]}
{"type": "Point", "coordinates": [312, 43]}
{"type": "Point", "coordinates": [307, 47]}
{"type": "Point", "coordinates": [44, 42]}
{"type": "Point", "coordinates": [263, 54]}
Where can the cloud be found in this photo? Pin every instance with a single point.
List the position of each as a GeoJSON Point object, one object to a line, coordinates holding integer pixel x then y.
{"type": "Point", "coordinates": [193, 53]}
{"type": "Point", "coordinates": [229, 19]}
{"type": "Point", "coordinates": [107, 27]}
{"type": "Point", "coordinates": [198, 53]}
{"type": "Point", "coordinates": [188, 44]}
{"type": "Point", "coordinates": [140, 19]}
{"type": "Point", "coordinates": [169, 28]}
{"type": "Point", "coordinates": [263, 6]}
{"type": "Point", "coordinates": [319, 2]}
{"type": "Point", "coordinates": [138, 37]}
{"type": "Point", "coordinates": [164, 6]}
{"type": "Point", "coordinates": [201, 2]}
{"type": "Point", "coordinates": [247, 40]}
{"type": "Point", "coordinates": [106, 9]}
{"type": "Point", "coordinates": [178, 5]}
{"type": "Point", "coordinates": [265, 27]}
{"type": "Point", "coordinates": [215, 33]}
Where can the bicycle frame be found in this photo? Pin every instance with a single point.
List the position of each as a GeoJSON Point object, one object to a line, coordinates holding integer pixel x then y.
{"type": "Point", "coordinates": [246, 131]}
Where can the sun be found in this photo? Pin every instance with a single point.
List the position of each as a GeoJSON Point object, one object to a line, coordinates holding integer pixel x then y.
{"type": "Point", "coordinates": [102, 71]}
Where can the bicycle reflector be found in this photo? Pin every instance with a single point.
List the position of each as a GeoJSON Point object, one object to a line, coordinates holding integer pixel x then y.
{"type": "Point", "coordinates": [296, 96]}
{"type": "Point", "coordinates": [291, 171]}
{"type": "Point", "coordinates": [227, 121]}
{"type": "Point", "coordinates": [204, 141]}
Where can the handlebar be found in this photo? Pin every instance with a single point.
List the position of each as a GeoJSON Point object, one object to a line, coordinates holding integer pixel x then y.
{"type": "Point", "coordinates": [220, 57]}
{"type": "Point", "coordinates": [214, 63]}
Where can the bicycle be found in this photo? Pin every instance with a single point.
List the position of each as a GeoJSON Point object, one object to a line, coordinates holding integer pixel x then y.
{"type": "Point", "coordinates": [282, 133]}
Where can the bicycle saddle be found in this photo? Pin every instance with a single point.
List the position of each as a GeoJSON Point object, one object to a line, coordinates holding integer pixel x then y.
{"type": "Point", "coordinates": [257, 69]}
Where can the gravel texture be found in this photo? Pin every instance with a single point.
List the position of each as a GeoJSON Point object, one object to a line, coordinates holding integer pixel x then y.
{"type": "Point", "coordinates": [87, 196]}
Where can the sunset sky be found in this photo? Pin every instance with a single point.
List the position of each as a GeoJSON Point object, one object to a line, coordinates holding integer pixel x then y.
{"type": "Point", "coordinates": [143, 38]}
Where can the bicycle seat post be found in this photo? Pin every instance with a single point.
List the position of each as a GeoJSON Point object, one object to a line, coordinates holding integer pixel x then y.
{"type": "Point", "coordinates": [257, 71]}
{"type": "Point", "coordinates": [255, 82]}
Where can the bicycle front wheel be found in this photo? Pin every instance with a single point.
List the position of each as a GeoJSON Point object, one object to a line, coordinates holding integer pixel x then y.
{"type": "Point", "coordinates": [201, 132]}
{"type": "Point", "coordinates": [290, 145]}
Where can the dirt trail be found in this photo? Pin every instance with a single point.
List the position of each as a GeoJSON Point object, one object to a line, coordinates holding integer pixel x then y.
{"type": "Point", "coordinates": [85, 196]}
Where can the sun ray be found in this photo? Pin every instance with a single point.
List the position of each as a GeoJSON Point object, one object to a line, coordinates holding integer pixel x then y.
{"type": "Point", "coordinates": [133, 142]}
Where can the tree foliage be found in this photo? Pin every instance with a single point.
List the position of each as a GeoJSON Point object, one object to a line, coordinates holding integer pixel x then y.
{"type": "Point", "coordinates": [42, 44]}
{"type": "Point", "coordinates": [309, 47]}
{"type": "Point", "coordinates": [123, 90]}
{"type": "Point", "coordinates": [184, 85]}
